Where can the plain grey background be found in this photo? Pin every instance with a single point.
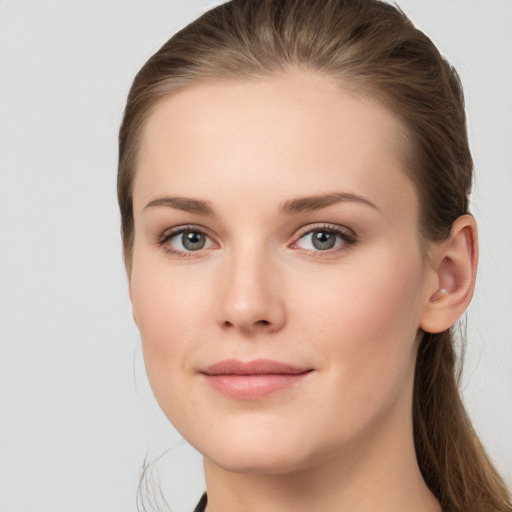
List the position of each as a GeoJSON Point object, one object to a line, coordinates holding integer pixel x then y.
{"type": "Point", "coordinates": [76, 414]}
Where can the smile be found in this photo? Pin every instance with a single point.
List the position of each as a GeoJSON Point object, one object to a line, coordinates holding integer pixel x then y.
{"type": "Point", "coordinates": [253, 379]}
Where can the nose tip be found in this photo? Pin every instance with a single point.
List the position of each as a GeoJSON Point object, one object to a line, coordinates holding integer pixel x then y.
{"type": "Point", "coordinates": [251, 301]}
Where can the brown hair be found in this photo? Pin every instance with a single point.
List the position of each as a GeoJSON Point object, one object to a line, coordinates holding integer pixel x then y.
{"type": "Point", "coordinates": [373, 47]}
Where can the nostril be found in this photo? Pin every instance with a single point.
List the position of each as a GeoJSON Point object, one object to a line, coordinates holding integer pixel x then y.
{"type": "Point", "coordinates": [262, 323]}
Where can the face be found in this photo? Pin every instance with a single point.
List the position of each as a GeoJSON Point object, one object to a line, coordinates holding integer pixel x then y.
{"type": "Point", "coordinates": [277, 279]}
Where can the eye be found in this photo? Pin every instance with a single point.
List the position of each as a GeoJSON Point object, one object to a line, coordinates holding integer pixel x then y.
{"type": "Point", "coordinates": [325, 239]}
{"type": "Point", "coordinates": [184, 241]}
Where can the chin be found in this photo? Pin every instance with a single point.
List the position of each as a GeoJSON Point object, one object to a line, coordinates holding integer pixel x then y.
{"type": "Point", "coordinates": [263, 451]}
{"type": "Point", "coordinates": [258, 462]}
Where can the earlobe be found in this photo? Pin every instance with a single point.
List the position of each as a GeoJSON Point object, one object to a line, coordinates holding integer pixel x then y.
{"type": "Point", "coordinates": [454, 264]}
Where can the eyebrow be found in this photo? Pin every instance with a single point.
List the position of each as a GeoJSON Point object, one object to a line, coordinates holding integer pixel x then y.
{"type": "Point", "coordinates": [317, 202]}
{"type": "Point", "coordinates": [185, 204]}
{"type": "Point", "coordinates": [297, 205]}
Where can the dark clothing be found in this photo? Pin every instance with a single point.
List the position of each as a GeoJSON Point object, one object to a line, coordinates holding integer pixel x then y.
{"type": "Point", "coordinates": [202, 504]}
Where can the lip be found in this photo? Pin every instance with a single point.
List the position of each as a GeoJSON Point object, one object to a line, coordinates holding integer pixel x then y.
{"type": "Point", "coordinates": [253, 379]}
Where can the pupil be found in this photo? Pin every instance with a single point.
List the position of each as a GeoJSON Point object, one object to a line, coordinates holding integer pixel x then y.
{"type": "Point", "coordinates": [323, 240]}
{"type": "Point", "coordinates": [193, 241]}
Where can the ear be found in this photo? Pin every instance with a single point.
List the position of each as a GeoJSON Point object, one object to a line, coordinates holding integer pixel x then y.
{"type": "Point", "coordinates": [453, 263]}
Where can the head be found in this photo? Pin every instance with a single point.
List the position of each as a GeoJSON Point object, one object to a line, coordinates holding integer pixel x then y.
{"type": "Point", "coordinates": [388, 74]}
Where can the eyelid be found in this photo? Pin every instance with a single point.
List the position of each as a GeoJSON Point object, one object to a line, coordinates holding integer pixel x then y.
{"type": "Point", "coordinates": [327, 226]}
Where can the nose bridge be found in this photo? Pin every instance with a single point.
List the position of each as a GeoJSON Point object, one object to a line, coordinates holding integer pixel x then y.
{"type": "Point", "coordinates": [250, 296]}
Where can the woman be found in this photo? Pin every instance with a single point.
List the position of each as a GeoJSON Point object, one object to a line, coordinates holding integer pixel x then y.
{"type": "Point", "coordinates": [293, 184]}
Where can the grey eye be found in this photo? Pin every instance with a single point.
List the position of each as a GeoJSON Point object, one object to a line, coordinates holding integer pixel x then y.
{"type": "Point", "coordinates": [187, 241]}
{"type": "Point", "coordinates": [193, 240]}
{"type": "Point", "coordinates": [323, 240]}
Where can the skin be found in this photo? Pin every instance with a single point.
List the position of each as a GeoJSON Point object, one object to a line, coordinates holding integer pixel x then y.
{"type": "Point", "coordinates": [260, 289]}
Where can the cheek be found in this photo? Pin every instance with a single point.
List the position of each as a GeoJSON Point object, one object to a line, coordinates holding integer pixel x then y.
{"type": "Point", "coordinates": [365, 322]}
{"type": "Point", "coordinates": [170, 312]}
{"type": "Point", "coordinates": [366, 297]}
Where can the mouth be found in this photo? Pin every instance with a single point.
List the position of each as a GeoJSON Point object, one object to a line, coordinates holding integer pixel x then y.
{"type": "Point", "coordinates": [253, 379]}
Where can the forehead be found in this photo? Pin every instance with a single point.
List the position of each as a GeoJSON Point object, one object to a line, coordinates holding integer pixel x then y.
{"type": "Point", "coordinates": [298, 132]}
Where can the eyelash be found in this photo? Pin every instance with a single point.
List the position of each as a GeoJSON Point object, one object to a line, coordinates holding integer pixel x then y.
{"type": "Point", "coordinates": [348, 238]}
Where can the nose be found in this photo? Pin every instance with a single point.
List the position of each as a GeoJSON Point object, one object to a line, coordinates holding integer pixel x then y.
{"type": "Point", "coordinates": [251, 299]}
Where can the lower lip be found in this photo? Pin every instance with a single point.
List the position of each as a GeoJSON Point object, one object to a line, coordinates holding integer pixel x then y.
{"type": "Point", "coordinates": [247, 387]}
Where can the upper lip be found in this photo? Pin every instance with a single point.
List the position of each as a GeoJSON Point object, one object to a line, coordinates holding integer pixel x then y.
{"type": "Point", "coordinates": [256, 367]}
